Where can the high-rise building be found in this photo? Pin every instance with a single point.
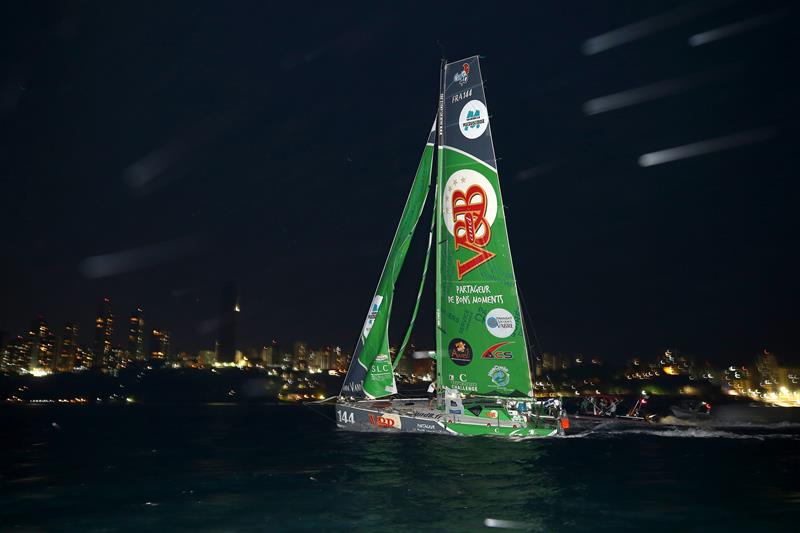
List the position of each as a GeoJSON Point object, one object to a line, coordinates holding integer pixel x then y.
{"type": "Point", "coordinates": [136, 335]}
{"type": "Point", "coordinates": [40, 345]}
{"type": "Point", "coordinates": [228, 314]}
{"type": "Point", "coordinates": [322, 359]}
{"type": "Point", "coordinates": [16, 355]}
{"type": "Point", "coordinates": [270, 355]}
{"type": "Point", "coordinates": [159, 344]}
{"type": "Point", "coordinates": [767, 365]}
{"type": "Point", "coordinates": [68, 351]}
{"type": "Point", "coordinates": [103, 331]}
{"type": "Point", "coordinates": [342, 359]}
{"type": "Point", "coordinates": [83, 358]}
{"type": "Point", "coordinates": [300, 350]}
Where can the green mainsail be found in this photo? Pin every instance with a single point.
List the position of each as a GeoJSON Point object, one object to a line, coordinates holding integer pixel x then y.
{"type": "Point", "coordinates": [371, 373]}
{"type": "Point", "coordinates": [480, 341]}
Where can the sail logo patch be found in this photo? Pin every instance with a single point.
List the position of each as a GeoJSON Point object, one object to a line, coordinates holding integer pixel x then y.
{"type": "Point", "coordinates": [460, 352]}
{"type": "Point", "coordinates": [381, 367]}
{"type": "Point", "coordinates": [386, 420]}
{"type": "Point", "coordinates": [460, 383]}
{"type": "Point", "coordinates": [462, 77]}
{"type": "Point", "coordinates": [500, 376]}
{"type": "Point", "coordinates": [473, 120]}
{"type": "Point", "coordinates": [500, 323]}
{"type": "Point", "coordinates": [470, 208]}
{"type": "Point", "coordinates": [496, 352]}
{"type": "Point", "coordinates": [372, 315]}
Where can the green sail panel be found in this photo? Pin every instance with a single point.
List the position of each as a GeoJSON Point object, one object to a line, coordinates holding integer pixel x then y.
{"type": "Point", "coordinates": [371, 373]}
{"type": "Point", "coordinates": [480, 341]}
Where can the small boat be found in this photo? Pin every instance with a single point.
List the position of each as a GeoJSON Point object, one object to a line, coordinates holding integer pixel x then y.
{"type": "Point", "coordinates": [608, 412]}
{"type": "Point", "coordinates": [483, 380]}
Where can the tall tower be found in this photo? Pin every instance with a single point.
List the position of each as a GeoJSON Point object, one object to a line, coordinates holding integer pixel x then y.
{"type": "Point", "coordinates": [40, 345]}
{"type": "Point", "coordinates": [136, 335]}
{"type": "Point", "coordinates": [67, 355]}
{"type": "Point", "coordinates": [159, 347]}
{"type": "Point", "coordinates": [226, 334]}
{"type": "Point", "coordinates": [103, 331]}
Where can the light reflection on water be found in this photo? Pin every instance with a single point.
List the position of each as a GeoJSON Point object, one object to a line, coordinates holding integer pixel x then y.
{"type": "Point", "coordinates": [277, 468]}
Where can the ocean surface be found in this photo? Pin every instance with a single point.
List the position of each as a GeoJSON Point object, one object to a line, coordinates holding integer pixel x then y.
{"type": "Point", "coordinates": [287, 468]}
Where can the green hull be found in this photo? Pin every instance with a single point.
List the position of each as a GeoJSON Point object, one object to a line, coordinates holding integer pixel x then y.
{"type": "Point", "coordinates": [421, 416]}
{"type": "Point", "coordinates": [477, 429]}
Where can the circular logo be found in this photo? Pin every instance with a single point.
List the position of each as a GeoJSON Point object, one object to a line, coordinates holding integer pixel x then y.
{"type": "Point", "coordinates": [500, 376]}
{"type": "Point", "coordinates": [460, 352]}
{"type": "Point", "coordinates": [500, 323]}
{"type": "Point", "coordinates": [473, 120]}
{"type": "Point", "coordinates": [458, 184]}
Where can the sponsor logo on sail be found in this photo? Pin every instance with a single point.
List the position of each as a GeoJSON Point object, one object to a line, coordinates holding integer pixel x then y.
{"type": "Point", "coordinates": [460, 96]}
{"type": "Point", "coordinates": [381, 366]}
{"type": "Point", "coordinates": [498, 352]}
{"type": "Point", "coordinates": [470, 211]}
{"type": "Point", "coordinates": [460, 383]}
{"type": "Point", "coordinates": [385, 420]}
{"type": "Point", "coordinates": [474, 119]}
{"type": "Point", "coordinates": [500, 323]}
{"type": "Point", "coordinates": [372, 315]}
{"type": "Point", "coordinates": [500, 376]}
{"type": "Point", "coordinates": [460, 352]}
{"type": "Point", "coordinates": [462, 77]}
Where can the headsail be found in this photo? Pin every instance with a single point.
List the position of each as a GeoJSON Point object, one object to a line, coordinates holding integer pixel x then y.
{"type": "Point", "coordinates": [480, 342]}
{"type": "Point", "coordinates": [371, 373]}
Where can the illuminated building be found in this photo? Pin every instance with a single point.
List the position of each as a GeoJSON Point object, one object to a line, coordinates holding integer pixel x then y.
{"type": "Point", "coordinates": [299, 353]}
{"type": "Point", "coordinates": [83, 358]}
{"type": "Point", "coordinates": [103, 331]}
{"type": "Point", "coordinates": [116, 358]}
{"type": "Point", "coordinates": [159, 344]}
{"type": "Point", "coordinates": [268, 356]}
{"type": "Point", "coordinates": [322, 359]}
{"type": "Point", "coordinates": [342, 360]}
{"type": "Point", "coordinates": [136, 336]}
{"type": "Point", "coordinates": [552, 361]}
{"type": "Point", "coordinates": [185, 360]}
{"type": "Point", "coordinates": [16, 355]}
{"type": "Point", "coordinates": [40, 345]}
{"type": "Point", "coordinates": [206, 357]}
{"type": "Point", "coordinates": [226, 333]}
{"type": "Point", "coordinates": [68, 350]}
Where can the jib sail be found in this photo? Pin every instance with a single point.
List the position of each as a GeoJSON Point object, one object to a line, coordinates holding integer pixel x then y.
{"type": "Point", "coordinates": [371, 373]}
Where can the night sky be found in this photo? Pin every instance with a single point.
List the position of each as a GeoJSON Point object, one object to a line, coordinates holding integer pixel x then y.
{"type": "Point", "coordinates": [210, 141]}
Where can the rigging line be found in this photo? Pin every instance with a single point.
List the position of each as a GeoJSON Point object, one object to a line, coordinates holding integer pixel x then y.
{"type": "Point", "coordinates": [308, 405]}
{"type": "Point", "coordinates": [532, 348]}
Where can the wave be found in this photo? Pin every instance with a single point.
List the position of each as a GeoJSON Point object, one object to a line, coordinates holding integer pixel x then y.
{"type": "Point", "coordinates": [686, 432]}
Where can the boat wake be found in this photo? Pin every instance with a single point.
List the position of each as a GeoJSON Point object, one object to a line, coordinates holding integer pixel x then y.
{"type": "Point", "coordinates": [699, 433]}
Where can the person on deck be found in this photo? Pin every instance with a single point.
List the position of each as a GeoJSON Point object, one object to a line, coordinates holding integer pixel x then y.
{"type": "Point", "coordinates": [431, 394]}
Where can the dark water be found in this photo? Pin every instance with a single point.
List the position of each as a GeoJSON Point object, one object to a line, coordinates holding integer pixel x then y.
{"type": "Point", "coordinates": [276, 468]}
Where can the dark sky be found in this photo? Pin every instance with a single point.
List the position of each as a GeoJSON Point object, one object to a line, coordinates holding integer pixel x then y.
{"type": "Point", "coordinates": [211, 141]}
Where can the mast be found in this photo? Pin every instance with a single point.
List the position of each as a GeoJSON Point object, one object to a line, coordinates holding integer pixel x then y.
{"type": "Point", "coordinates": [437, 210]}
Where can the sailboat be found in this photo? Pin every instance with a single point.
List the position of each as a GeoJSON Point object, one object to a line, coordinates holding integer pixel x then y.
{"type": "Point", "coordinates": [483, 374]}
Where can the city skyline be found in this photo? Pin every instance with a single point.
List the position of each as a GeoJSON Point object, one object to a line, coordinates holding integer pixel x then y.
{"type": "Point", "coordinates": [136, 342]}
